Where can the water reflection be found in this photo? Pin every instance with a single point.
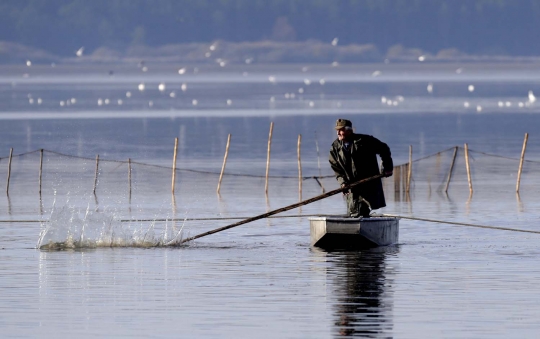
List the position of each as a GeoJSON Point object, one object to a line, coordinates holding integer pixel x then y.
{"type": "Point", "coordinates": [452, 207]}
{"type": "Point", "coordinates": [468, 204]}
{"type": "Point", "coordinates": [520, 207]}
{"type": "Point", "coordinates": [8, 204]}
{"type": "Point", "coordinates": [363, 306]}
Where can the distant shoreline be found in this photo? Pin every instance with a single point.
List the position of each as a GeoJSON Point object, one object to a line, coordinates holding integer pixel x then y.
{"type": "Point", "coordinates": [223, 53]}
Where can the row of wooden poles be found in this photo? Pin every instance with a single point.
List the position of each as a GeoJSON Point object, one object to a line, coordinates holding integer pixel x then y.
{"type": "Point", "coordinates": [407, 168]}
{"type": "Point", "coordinates": [175, 155]}
{"type": "Point", "coordinates": [298, 148]}
{"type": "Point", "coordinates": [398, 172]}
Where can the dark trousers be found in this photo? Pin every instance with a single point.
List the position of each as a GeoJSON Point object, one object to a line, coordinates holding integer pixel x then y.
{"type": "Point", "coordinates": [357, 206]}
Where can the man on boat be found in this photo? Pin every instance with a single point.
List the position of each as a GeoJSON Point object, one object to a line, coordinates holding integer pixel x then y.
{"type": "Point", "coordinates": [353, 157]}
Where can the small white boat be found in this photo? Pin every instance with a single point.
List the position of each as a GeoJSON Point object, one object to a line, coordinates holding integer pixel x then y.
{"type": "Point", "coordinates": [353, 233]}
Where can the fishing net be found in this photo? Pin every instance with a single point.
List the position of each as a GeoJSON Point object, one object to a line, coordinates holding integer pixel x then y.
{"type": "Point", "coordinates": [141, 193]}
{"type": "Point", "coordinates": [130, 182]}
{"type": "Point", "coordinates": [446, 172]}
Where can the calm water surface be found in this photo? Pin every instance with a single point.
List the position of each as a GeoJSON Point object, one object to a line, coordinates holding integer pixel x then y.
{"type": "Point", "coordinates": [263, 279]}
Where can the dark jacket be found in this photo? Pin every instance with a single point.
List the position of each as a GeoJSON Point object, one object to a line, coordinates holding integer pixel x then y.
{"type": "Point", "coordinates": [358, 162]}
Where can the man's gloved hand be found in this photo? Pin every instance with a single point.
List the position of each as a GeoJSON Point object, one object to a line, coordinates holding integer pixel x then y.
{"type": "Point", "coordinates": [387, 174]}
{"type": "Point", "coordinates": [344, 192]}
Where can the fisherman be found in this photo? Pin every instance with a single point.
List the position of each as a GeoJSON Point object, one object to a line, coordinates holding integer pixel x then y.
{"type": "Point", "coordinates": [353, 157]}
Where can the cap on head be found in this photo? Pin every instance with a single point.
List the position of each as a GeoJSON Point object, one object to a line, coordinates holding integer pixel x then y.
{"type": "Point", "coordinates": [341, 123]}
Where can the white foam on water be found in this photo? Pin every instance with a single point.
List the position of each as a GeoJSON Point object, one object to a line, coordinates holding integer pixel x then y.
{"type": "Point", "coordinates": [72, 228]}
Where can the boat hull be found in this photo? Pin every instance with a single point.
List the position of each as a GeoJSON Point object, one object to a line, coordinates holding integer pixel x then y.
{"type": "Point", "coordinates": [353, 233]}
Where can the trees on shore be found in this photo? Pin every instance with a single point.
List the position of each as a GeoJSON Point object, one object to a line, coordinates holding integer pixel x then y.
{"type": "Point", "coordinates": [473, 26]}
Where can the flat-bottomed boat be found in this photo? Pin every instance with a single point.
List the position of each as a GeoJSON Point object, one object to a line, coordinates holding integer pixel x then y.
{"type": "Point", "coordinates": [353, 233]}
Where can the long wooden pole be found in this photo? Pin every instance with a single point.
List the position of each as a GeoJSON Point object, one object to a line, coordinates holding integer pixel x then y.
{"type": "Point", "coordinates": [40, 168]}
{"type": "Point", "coordinates": [174, 164]}
{"type": "Point", "coordinates": [224, 162]}
{"type": "Point", "coordinates": [9, 169]}
{"type": "Point", "coordinates": [96, 175]}
{"type": "Point", "coordinates": [409, 172]}
{"type": "Point", "coordinates": [451, 169]}
{"type": "Point", "coordinates": [468, 168]}
{"type": "Point", "coordinates": [299, 165]}
{"type": "Point", "coordinates": [283, 209]}
{"type": "Point", "coordinates": [521, 159]}
{"type": "Point", "coordinates": [268, 157]}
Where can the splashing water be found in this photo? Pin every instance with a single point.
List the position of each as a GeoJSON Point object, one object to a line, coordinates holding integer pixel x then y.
{"type": "Point", "coordinates": [69, 228]}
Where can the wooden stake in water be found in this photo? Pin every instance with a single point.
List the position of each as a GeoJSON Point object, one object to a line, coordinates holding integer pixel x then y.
{"type": "Point", "coordinates": [299, 165]}
{"type": "Point", "coordinates": [468, 168]}
{"type": "Point", "coordinates": [451, 169]}
{"type": "Point", "coordinates": [40, 168]}
{"type": "Point", "coordinates": [96, 175]}
{"type": "Point", "coordinates": [9, 169]}
{"type": "Point", "coordinates": [404, 170]}
{"type": "Point", "coordinates": [174, 164]}
{"type": "Point", "coordinates": [521, 160]}
{"type": "Point", "coordinates": [397, 183]}
{"type": "Point", "coordinates": [129, 177]}
{"type": "Point", "coordinates": [397, 179]}
{"type": "Point", "coordinates": [224, 163]}
{"type": "Point", "coordinates": [409, 172]}
{"type": "Point", "coordinates": [318, 164]}
{"type": "Point", "coordinates": [318, 156]}
{"type": "Point", "coordinates": [173, 203]}
{"type": "Point", "coordinates": [268, 157]}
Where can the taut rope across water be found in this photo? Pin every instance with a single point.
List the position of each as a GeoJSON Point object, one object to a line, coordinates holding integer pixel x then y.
{"type": "Point", "coordinates": [463, 224]}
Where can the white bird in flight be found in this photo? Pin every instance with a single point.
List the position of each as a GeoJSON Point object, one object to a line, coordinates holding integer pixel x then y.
{"type": "Point", "coordinates": [532, 98]}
